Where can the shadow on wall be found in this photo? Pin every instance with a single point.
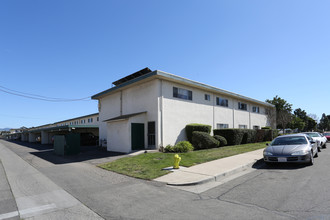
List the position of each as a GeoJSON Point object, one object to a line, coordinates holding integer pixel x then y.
{"type": "Point", "coordinates": [182, 136]}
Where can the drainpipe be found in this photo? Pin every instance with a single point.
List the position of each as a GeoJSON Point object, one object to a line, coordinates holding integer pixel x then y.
{"type": "Point", "coordinates": [161, 114]}
{"type": "Point", "coordinates": [121, 102]}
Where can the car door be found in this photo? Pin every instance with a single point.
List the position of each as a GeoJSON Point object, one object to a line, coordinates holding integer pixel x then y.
{"type": "Point", "coordinates": [314, 146]}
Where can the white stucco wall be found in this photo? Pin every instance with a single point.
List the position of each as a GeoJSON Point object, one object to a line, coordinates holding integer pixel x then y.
{"type": "Point", "coordinates": [177, 113]}
{"type": "Point", "coordinates": [117, 136]}
{"type": "Point", "coordinates": [135, 99]}
{"type": "Point", "coordinates": [170, 114]}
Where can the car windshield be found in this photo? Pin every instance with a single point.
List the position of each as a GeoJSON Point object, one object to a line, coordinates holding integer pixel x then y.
{"type": "Point", "coordinates": [294, 140]}
{"type": "Point", "coordinates": [326, 134]}
{"type": "Point", "coordinates": [313, 134]}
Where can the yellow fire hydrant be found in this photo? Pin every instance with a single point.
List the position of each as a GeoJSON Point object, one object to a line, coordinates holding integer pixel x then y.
{"type": "Point", "coordinates": [177, 160]}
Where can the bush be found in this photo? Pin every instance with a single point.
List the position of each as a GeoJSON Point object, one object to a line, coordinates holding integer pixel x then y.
{"type": "Point", "coordinates": [202, 140]}
{"type": "Point", "coordinates": [249, 136]}
{"type": "Point", "coordinates": [190, 128]}
{"type": "Point", "coordinates": [266, 128]}
{"type": "Point", "coordinates": [233, 136]}
{"type": "Point", "coordinates": [169, 149]}
{"type": "Point", "coordinates": [181, 147]}
{"type": "Point", "coordinates": [222, 140]}
{"type": "Point", "coordinates": [266, 135]}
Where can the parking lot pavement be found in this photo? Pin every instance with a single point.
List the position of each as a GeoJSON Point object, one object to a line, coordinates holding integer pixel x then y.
{"type": "Point", "coordinates": [8, 207]}
{"type": "Point", "coordinates": [37, 197]}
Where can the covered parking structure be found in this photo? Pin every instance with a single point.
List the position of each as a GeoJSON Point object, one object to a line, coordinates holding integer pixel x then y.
{"type": "Point", "coordinates": [45, 135]}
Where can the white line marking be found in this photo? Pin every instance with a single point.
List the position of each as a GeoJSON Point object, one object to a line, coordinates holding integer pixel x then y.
{"type": "Point", "coordinates": [8, 215]}
{"type": "Point", "coordinates": [37, 209]}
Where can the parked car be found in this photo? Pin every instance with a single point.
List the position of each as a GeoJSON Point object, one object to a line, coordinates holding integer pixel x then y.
{"type": "Point", "coordinates": [293, 148]}
{"type": "Point", "coordinates": [327, 135]}
{"type": "Point", "coordinates": [318, 137]}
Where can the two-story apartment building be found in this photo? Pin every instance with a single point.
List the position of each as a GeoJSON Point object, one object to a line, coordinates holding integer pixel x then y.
{"type": "Point", "coordinates": [152, 108]}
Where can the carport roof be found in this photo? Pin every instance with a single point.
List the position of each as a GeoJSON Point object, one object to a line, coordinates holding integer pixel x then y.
{"type": "Point", "coordinates": [63, 128]}
{"type": "Point", "coordinates": [123, 117]}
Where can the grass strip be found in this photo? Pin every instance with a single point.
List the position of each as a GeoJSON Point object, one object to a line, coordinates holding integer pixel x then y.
{"type": "Point", "coordinates": [149, 165]}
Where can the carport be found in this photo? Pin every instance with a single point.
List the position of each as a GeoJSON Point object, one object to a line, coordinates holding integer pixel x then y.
{"type": "Point", "coordinates": [48, 133]}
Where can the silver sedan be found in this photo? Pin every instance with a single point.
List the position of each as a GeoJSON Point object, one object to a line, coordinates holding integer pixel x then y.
{"type": "Point", "coordinates": [295, 148]}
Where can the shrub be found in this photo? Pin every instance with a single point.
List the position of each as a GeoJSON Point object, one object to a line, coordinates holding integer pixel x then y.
{"type": "Point", "coordinates": [190, 128]}
{"type": "Point", "coordinates": [183, 146]}
{"type": "Point", "coordinates": [202, 140]}
{"type": "Point", "coordinates": [222, 140]}
{"type": "Point", "coordinates": [233, 136]}
{"type": "Point", "coordinates": [249, 136]}
{"type": "Point", "coordinates": [260, 136]}
{"type": "Point", "coordinates": [169, 149]}
{"type": "Point", "coordinates": [266, 135]}
{"type": "Point", "coordinates": [266, 128]}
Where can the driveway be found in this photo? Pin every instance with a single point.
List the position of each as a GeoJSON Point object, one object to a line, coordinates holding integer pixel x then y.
{"type": "Point", "coordinates": [277, 193]}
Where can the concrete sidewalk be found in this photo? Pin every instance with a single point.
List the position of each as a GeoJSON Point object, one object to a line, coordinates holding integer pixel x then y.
{"type": "Point", "coordinates": [212, 171]}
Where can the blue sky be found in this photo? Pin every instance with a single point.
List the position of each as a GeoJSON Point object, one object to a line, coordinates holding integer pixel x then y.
{"type": "Point", "coordinates": [75, 49]}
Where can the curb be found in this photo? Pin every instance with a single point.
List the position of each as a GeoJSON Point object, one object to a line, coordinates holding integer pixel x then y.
{"type": "Point", "coordinates": [220, 176]}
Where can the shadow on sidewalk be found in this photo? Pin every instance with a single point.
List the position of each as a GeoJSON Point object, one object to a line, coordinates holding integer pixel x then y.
{"type": "Point", "coordinates": [46, 152]}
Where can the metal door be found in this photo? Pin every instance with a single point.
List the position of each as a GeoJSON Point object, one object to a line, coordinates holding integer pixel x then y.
{"type": "Point", "coordinates": [137, 133]}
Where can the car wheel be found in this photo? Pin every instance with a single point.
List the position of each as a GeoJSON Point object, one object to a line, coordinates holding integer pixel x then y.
{"type": "Point", "coordinates": [324, 145]}
{"type": "Point", "coordinates": [317, 154]}
{"type": "Point", "coordinates": [319, 149]}
{"type": "Point", "coordinates": [311, 161]}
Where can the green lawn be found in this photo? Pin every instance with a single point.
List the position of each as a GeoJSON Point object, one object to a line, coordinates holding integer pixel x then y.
{"type": "Point", "coordinates": [149, 166]}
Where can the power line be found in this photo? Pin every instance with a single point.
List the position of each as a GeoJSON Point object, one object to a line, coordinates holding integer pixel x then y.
{"type": "Point", "coordinates": [39, 97]}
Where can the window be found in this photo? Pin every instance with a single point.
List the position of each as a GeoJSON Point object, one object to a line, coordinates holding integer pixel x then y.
{"type": "Point", "coordinates": [207, 97]}
{"type": "Point", "coordinates": [222, 126]}
{"type": "Point", "coordinates": [222, 102]}
{"type": "Point", "coordinates": [255, 109]}
{"type": "Point", "coordinates": [97, 119]}
{"type": "Point", "coordinates": [242, 126]}
{"type": "Point", "coordinates": [182, 93]}
{"type": "Point", "coordinates": [242, 106]}
{"type": "Point", "coordinates": [256, 127]}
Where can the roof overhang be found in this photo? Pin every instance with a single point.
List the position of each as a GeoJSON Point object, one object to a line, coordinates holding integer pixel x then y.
{"type": "Point", "coordinates": [62, 128]}
{"type": "Point", "coordinates": [123, 117]}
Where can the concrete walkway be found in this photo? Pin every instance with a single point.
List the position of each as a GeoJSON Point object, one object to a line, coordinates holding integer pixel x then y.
{"type": "Point", "coordinates": [212, 171]}
{"type": "Point", "coordinates": [37, 197]}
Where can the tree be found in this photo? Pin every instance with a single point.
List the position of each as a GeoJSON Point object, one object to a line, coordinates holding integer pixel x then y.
{"type": "Point", "coordinates": [313, 116]}
{"type": "Point", "coordinates": [324, 123]}
{"type": "Point", "coordinates": [311, 124]}
{"type": "Point", "coordinates": [283, 111]}
{"type": "Point", "coordinates": [300, 114]}
{"type": "Point", "coordinates": [297, 123]}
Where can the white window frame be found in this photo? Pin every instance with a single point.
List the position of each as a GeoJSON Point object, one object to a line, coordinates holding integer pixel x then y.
{"type": "Point", "coordinates": [242, 126]}
{"type": "Point", "coordinates": [182, 93]}
{"type": "Point", "coordinates": [222, 126]}
{"type": "Point", "coordinates": [222, 102]}
{"type": "Point", "coordinates": [207, 97]}
{"type": "Point", "coordinates": [242, 106]}
{"type": "Point", "coordinates": [256, 109]}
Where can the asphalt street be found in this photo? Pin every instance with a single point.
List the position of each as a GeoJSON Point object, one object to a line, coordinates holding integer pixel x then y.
{"type": "Point", "coordinates": [278, 192]}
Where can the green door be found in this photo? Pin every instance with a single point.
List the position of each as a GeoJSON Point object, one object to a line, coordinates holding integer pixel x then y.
{"type": "Point", "coordinates": [137, 133]}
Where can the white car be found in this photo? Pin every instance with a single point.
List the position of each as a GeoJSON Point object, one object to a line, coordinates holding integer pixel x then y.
{"type": "Point", "coordinates": [318, 137]}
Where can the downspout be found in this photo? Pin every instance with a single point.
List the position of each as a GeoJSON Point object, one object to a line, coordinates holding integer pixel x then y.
{"type": "Point", "coordinates": [233, 113]}
{"type": "Point", "coordinates": [161, 114]}
{"type": "Point", "coordinates": [213, 105]}
{"type": "Point", "coordinates": [121, 102]}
